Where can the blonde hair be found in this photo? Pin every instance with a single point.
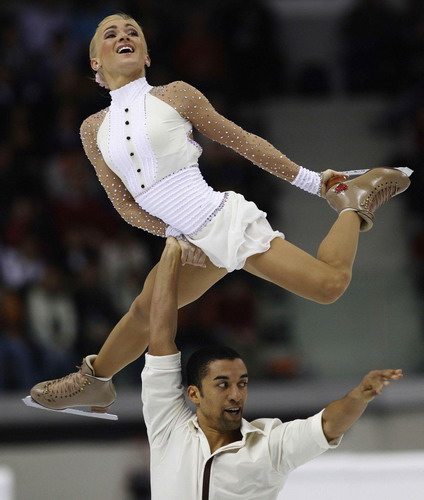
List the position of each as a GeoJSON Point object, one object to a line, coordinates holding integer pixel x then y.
{"type": "Point", "coordinates": [93, 44]}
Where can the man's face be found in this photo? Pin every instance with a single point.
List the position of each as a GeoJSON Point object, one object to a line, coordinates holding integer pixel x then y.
{"type": "Point", "coordinates": [221, 401]}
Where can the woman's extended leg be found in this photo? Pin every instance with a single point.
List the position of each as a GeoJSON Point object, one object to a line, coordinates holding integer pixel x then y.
{"type": "Point", "coordinates": [128, 340]}
{"type": "Point", "coordinates": [322, 279]}
{"type": "Point", "coordinates": [91, 385]}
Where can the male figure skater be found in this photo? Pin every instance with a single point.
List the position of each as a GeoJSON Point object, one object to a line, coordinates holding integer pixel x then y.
{"type": "Point", "coordinates": [214, 453]}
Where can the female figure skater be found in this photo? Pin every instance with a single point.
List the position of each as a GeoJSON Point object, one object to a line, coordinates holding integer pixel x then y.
{"type": "Point", "coordinates": [143, 152]}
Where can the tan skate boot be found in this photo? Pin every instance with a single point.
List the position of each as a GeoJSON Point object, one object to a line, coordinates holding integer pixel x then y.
{"type": "Point", "coordinates": [81, 388]}
{"type": "Point", "coordinates": [367, 192]}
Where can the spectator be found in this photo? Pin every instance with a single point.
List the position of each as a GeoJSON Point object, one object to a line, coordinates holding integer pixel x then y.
{"type": "Point", "coordinates": [124, 263]}
{"type": "Point", "coordinates": [17, 369]}
{"type": "Point", "coordinates": [95, 309]}
{"type": "Point", "coordinates": [53, 322]}
{"type": "Point", "coordinates": [40, 20]}
{"type": "Point", "coordinates": [200, 56]}
{"type": "Point", "coordinates": [372, 47]}
{"type": "Point", "coordinates": [22, 265]}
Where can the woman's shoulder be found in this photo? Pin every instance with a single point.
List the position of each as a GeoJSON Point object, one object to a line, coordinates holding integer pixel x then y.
{"type": "Point", "coordinates": [180, 95]}
{"type": "Point", "coordinates": [175, 86]}
{"type": "Point", "coordinates": [93, 122]}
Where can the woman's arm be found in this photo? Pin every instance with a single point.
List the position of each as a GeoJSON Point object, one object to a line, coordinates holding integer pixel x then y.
{"type": "Point", "coordinates": [196, 108]}
{"type": "Point", "coordinates": [123, 201]}
{"type": "Point", "coordinates": [119, 195]}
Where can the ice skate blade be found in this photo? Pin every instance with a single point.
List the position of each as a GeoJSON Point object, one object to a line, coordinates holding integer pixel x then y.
{"type": "Point", "coordinates": [108, 416]}
{"type": "Point", "coordinates": [406, 170]}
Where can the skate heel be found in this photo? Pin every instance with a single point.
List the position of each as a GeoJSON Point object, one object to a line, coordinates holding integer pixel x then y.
{"type": "Point", "coordinates": [99, 409]}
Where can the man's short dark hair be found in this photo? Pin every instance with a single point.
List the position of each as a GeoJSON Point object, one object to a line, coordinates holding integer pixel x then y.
{"type": "Point", "coordinates": [197, 364]}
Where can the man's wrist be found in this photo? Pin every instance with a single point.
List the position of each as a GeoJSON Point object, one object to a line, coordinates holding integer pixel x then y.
{"type": "Point", "coordinates": [357, 395]}
{"type": "Point", "coordinates": [172, 247]}
{"type": "Point", "coordinates": [166, 361]}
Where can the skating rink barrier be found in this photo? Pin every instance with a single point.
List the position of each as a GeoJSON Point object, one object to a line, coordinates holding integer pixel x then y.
{"type": "Point", "coordinates": [7, 484]}
{"type": "Point", "coordinates": [362, 476]}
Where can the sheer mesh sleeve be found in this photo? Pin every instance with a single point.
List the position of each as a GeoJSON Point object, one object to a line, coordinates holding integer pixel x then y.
{"type": "Point", "coordinates": [194, 106]}
{"type": "Point", "coordinates": [120, 197]}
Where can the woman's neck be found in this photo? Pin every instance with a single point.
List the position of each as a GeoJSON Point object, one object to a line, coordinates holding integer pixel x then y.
{"type": "Point", "coordinates": [121, 80]}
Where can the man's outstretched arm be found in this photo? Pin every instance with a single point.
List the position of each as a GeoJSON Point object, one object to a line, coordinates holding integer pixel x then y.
{"type": "Point", "coordinates": [164, 406]}
{"type": "Point", "coordinates": [164, 305]}
{"type": "Point", "coordinates": [340, 415]}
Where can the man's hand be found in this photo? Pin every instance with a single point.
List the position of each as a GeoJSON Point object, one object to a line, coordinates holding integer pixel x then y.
{"type": "Point", "coordinates": [172, 244]}
{"type": "Point", "coordinates": [340, 415]}
{"type": "Point", "coordinates": [372, 384]}
{"type": "Point", "coordinates": [191, 254]}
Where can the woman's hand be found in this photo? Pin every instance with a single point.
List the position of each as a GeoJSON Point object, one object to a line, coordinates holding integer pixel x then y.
{"type": "Point", "coordinates": [326, 176]}
{"type": "Point", "coordinates": [191, 254]}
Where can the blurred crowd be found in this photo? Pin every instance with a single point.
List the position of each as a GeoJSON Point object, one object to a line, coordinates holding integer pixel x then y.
{"type": "Point", "coordinates": [69, 266]}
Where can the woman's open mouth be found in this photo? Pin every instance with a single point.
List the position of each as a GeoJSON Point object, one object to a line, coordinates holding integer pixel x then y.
{"type": "Point", "coordinates": [125, 49]}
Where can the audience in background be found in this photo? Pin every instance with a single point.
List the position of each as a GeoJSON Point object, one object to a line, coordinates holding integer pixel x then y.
{"type": "Point", "coordinates": [69, 266]}
{"type": "Point", "coordinates": [372, 47]}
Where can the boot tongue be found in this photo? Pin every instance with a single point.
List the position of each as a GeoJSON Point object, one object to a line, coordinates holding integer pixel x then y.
{"type": "Point", "coordinates": [87, 367]}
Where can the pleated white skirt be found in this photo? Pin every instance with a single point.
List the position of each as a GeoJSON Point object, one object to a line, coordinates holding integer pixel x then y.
{"type": "Point", "coordinates": [236, 232]}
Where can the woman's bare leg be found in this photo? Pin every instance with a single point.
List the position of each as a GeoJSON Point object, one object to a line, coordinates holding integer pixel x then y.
{"type": "Point", "coordinates": [322, 279]}
{"type": "Point", "coordinates": [128, 340]}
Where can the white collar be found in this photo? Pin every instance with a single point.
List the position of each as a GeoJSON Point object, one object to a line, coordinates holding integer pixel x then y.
{"type": "Point", "coordinates": [126, 94]}
{"type": "Point", "coordinates": [245, 428]}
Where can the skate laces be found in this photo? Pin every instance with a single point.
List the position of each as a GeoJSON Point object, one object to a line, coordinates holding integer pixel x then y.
{"type": "Point", "coordinates": [70, 384]}
{"type": "Point", "coordinates": [378, 197]}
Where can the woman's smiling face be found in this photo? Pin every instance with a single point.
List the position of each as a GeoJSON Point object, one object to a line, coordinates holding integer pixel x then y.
{"type": "Point", "coordinates": [119, 50]}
